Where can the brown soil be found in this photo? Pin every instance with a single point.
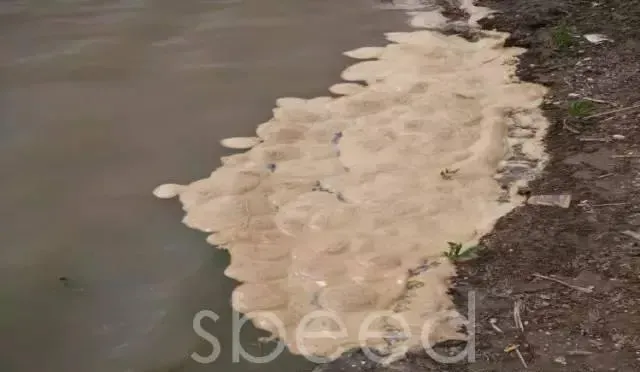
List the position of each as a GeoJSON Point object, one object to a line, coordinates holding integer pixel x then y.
{"type": "Point", "coordinates": [565, 329]}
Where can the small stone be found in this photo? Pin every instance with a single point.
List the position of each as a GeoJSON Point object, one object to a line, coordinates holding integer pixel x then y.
{"type": "Point", "coordinates": [523, 190]}
{"type": "Point", "coordinates": [597, 38]}
{"type": "Point", "coordinates": [618, 137]}
{"type": "Point", "coordinates": [561, 360]}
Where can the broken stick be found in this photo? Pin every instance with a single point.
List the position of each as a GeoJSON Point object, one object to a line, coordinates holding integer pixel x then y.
{"type": "Point", "coordinates": [577, 288]}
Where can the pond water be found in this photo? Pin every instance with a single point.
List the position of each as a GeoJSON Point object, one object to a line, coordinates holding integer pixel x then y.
{"type": "Point", "coordinates": [101, 101]}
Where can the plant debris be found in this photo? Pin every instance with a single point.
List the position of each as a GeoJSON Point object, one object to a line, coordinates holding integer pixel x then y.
{"type": "Point", "coordinates": [559, 200]}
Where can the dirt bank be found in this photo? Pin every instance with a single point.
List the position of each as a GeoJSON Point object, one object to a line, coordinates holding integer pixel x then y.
{"type": "Point", "coordinates": [592, 321]}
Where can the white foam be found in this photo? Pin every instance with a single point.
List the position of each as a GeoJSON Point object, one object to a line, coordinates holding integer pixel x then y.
{"type": "Point", "coordinates": [365, 53]}
{"type": "Point", "coordinates": [241, 143]}
{"type": "Point", "coordinates": [167, 191]}
{"type": "Point", "coordinates": [346, 88]}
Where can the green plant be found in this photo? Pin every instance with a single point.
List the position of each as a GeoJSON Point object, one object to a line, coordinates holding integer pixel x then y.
{"type": "Point", "coordinates": [457, 254]}
{"type": "Point", "coordinates": [580, 108]}
{"type": "Point", "coordinates": [561, 37]}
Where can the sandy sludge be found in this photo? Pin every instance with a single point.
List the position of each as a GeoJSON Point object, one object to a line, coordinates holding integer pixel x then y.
{"type": "Point", "coordinates": [339, 204]}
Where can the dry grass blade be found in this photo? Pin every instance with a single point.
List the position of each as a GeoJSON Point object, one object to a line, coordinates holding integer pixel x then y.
{"type": "Point", "coordinates": [598, 100]}
{"type": "Point", "coordinates": [609, 204]}
{"type": "Point", "coordinates": [495, 326]}
{"type": "Point", "coordinates": [588, 139]}
{"type": "Point", "coordinates": [579, 353]}
{"type": "Point", "coordinates": [625, 156]}
{"type": "Point", "coordinates": [577, 288]}
{"type": "Point", "coordinates": [517, 319]}
{"type": "Point", "coordinates": [632, 234]}
{"type": "Point", "coordinates": [636, 106]}
{"type": "Point", "coordinates": [515, 348]}
{"type": "Point", "coordinates": [519, 354]}
{"type": "Point", "coordinates": [569, 128]}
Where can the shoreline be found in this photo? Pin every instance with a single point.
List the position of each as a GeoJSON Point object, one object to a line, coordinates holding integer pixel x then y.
{"type": "Point", "coordinates": [595, 158]}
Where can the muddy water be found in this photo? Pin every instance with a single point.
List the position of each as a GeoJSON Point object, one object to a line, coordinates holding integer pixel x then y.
{"type": "Point", "coordinates": [101, 101]}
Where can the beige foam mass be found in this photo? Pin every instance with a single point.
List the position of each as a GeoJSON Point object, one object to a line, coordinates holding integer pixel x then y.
{"type": "Point", "coordinates": [346, 88]}
{"type": "Point", "coordinates": [341, 205]}
{"type": "Point", "coordinates": [365, 53]}
{"type": "Point", "coordinates": [241, 143]}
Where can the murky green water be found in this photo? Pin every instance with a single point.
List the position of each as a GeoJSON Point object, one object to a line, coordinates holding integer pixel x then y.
{"type": "Point", "coordinates": [101, 101]}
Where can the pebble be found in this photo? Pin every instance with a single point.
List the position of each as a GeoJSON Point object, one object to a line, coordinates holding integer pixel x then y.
{"type": "Point", "coordinates": [561, 360]}
{"type": "Point", "coordinates": [597, 38]}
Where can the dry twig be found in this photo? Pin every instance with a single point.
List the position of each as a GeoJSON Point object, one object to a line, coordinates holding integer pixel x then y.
{"type": "Point", "coordinates": [579, 352]}
{"type": "Point", "coordinates": [636, 106]}
{"type": "Point", "coordinates": [591, 139]}
{"type": "Point", "coordinates": [608, 204]}
{"type": "Point", "coordinates": [515, 348]}
{"type": "Point", "coordinates": [598, 100]}
{"type": "Point", "coordinates": [569, 128]}
{"type": "Point", "coordinates": [495, 326]}
{"type": "Point", "coordinates": [625, 156]}
{"type": "Point", "coordinates": [517, 308]}
{"type": "Point", "coordinates": [632, 234]}
{"type": "Point", "coordinates": [524, 364]}
{"type": "Point", "coordinates": [577, 288]}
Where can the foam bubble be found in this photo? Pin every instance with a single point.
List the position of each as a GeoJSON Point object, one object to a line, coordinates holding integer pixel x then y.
{"type": "Point", "coordinates": [346, 88]}
{"type": "Point", "coordinates": [167, 191]}
{"type": "Point", "coordinates": [365, 53]}
{"type": "Point", "coordinates": [241, 143]}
